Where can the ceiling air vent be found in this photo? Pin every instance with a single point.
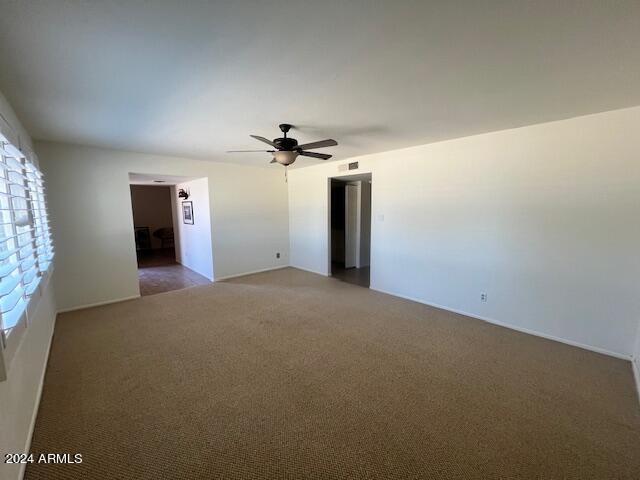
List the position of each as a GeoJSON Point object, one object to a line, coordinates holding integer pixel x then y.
{"type": "Point", "coordinates": [353, 166]}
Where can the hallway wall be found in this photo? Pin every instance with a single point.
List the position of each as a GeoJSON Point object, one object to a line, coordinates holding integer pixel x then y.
{"type": "Point", "coordinates": [193, 246]}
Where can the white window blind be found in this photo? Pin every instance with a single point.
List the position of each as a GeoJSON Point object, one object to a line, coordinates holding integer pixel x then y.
{"type": "Point", "coordinates": [26, 249]}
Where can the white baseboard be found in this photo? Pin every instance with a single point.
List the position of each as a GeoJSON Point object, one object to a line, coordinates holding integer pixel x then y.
{"type": "Point", "coordinates": [311, 271]}
{"type": "Point", "coordinates": [99, 304]}
{"type": "Point", "coordinates": [512, 327]}
{"type": "Point", "coordinates": [34, 416]}
{"type": "Point", "coordinates": [227, 277]}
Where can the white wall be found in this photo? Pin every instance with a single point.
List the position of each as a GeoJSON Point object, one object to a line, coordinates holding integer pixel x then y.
{"type": "Point", "coordinates": [20, 392]}
{"type": "Point", "coordinates": [193, 249]}
{"type": "Point", "coordinates": [152, 208]}
{"type": "Point", "coordinates": [93, 227]}
{"type": "Point", "coordinates": [544, 219]}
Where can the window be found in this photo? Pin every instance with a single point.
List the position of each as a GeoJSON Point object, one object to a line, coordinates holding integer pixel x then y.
{"type": "Point", "coordinates": [26, 249]}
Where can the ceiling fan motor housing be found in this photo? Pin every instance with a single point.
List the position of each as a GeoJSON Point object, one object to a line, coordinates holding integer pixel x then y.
{"type": "Point", "coordinates": [285, 143]}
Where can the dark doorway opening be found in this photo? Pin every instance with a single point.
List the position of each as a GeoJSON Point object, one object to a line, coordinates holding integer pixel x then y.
{"type": "Point", "coordinates": [153, 225]}
{"type": "Point", "coordinates": [350, 225]}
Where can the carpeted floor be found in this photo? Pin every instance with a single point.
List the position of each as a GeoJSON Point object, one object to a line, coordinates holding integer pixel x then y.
{"type": "Point", "coordinates": [288, 374]}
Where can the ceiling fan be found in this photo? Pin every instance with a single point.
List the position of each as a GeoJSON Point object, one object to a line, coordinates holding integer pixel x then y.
{"type": "Point", "coordinates": [287, 149]}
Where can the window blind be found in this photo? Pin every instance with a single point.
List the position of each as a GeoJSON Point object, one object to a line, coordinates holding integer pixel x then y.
{"type": "Point", "coordinates": [26, 248]}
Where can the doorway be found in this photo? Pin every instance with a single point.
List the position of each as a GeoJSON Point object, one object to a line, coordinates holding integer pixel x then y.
{"type": "Point", "coordinates": [153, 225]}
{"type": "Point", "coordinates": [167, 256]}
{"type": "Point", "coordinates": [350, 228]}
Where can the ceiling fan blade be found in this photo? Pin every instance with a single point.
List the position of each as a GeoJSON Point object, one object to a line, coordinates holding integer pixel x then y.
{"type": "Point", "coordinates": [247, 151]}
{"type": "Point", "coordinates": [321, 156]}
{"type": "Point", "coordinates": [262, 139]}
{"type": "Point", "coordinates": [320, 144]}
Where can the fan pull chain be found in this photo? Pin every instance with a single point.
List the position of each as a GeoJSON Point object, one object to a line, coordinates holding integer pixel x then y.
{"type": "Point", "coordinates": [286, 178]}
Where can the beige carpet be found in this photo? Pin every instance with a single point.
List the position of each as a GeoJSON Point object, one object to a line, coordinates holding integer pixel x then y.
{"type": "Point", "coordinates": [292, 375]}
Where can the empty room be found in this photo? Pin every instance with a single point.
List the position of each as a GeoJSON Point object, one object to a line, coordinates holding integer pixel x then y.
{"type": "Point", "coordinates": [319, 240]}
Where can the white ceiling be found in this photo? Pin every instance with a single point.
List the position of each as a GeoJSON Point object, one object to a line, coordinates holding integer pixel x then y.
{"type": "Point", "coordinates": [195, 78]}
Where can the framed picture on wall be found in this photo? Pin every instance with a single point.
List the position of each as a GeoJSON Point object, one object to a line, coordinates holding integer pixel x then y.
{"type": "Point", "coordinates": [187, 212]}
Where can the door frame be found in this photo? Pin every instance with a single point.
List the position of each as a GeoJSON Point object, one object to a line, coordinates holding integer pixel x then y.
{"type": "Point", "coordinates": [365, 176]}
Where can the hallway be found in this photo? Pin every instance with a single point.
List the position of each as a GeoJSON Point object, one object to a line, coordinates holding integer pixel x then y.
{"type": "Point", "coordinates": [165, 278]}
{"type": "Point", "coordinates": [170, 248]}
{"type": "Point", "coordinates": [356, 276]}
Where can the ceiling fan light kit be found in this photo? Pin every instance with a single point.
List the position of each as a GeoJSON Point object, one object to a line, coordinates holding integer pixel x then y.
{"type": "Point", "coordinates": [284, 157]}
{"type": "Point", "coordinates": [287, 149]}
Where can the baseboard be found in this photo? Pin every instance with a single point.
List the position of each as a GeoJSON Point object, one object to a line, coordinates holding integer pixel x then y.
{"type": "Point", "coordinates": [99, 304]}
{"type": "Point", "coordinates": [32, 424]}
{"type": "Point", "coordinates": [311, 271]}
{"type": "Point", "coordinates": [227, 277]}
{"type": "Point", "coordinates": [510, 326]}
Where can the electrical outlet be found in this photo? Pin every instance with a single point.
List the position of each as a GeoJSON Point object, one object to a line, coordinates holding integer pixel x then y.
{"type": "Point", "coordinates": [278, 255]}
{"type": "Point", "coordinates": [483, 297]}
